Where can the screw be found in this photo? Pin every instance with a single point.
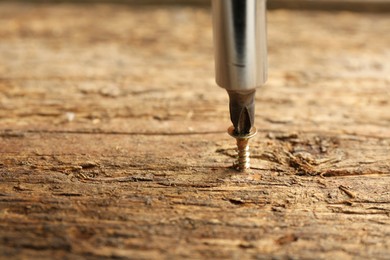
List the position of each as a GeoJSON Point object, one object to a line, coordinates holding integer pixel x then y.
{"type": "Point", "coordinates": [243, 159]}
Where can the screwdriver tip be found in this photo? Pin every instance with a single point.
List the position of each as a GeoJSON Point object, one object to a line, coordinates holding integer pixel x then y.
{"type": "Point", "coordinates": [242, 110]}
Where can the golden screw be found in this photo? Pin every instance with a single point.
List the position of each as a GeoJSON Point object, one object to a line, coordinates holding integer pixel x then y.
{"type": "Point", "coordinates": [243, 158]}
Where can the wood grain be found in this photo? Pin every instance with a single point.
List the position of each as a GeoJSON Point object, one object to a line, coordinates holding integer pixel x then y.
{"type": "Point", "coordinates": [113, 137]}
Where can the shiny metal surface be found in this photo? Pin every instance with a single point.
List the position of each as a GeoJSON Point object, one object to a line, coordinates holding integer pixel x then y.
{"type": "Point", "coordinates": [240, 46]}
{"type": "Point", "coordinates": [243, 156]}
{"type": "Point", "coordinates": [240, 43]}
{"type": "Point", "coordinates": [242, 110]}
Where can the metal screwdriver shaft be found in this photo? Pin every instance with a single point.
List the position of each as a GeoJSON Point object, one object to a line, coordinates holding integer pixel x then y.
{"type": "Point", "coordinates": [241, 64]}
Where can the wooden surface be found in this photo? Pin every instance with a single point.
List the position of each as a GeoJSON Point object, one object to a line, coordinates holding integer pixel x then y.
{"type": "Point", "coordinates": [351, 5]}
{"type": "Point", "coordinates": [113, 138]}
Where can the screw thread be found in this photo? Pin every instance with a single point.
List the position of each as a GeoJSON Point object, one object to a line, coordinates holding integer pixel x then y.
{"type": "Point", "coordinates": [243, 158]}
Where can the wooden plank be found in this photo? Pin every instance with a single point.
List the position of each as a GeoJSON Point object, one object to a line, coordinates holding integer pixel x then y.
{"type": "Point", "coordinates": [113, 137]}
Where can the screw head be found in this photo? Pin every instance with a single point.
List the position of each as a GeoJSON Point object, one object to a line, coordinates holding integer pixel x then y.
{"type": "Point", "coordinates": [232, 132]}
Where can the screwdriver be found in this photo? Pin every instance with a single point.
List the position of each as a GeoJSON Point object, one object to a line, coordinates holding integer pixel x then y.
{"type": "Point", "coordinates": [240, 47]}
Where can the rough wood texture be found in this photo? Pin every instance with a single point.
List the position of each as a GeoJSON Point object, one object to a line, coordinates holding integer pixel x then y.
{"type": "Point", "coordinates": [113, 138]}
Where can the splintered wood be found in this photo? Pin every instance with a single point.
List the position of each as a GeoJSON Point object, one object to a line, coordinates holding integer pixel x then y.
{"type": "Point", "coordinates": [113, 137]}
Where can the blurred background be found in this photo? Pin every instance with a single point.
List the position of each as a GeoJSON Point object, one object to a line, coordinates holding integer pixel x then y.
{"type": "Point", "coordinates": [355, 5]}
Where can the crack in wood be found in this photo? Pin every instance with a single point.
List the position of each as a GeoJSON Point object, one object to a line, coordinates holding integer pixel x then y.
{"type": "Point", "coordinates": [100, 132]}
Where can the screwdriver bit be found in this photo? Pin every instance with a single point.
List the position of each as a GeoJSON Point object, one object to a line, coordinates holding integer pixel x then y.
{"type": "Point", "coordinates": [240, 47]}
